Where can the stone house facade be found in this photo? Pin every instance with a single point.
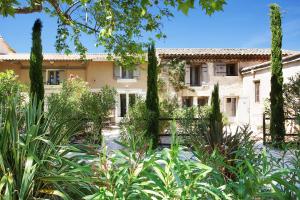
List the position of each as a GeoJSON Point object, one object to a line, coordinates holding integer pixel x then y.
{"type": "Point", "coordinates": [204, 68]}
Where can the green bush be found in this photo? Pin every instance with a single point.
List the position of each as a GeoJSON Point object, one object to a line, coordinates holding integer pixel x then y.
{"type": "Point", "coordinates": [76, 101]}
{"type": "Point", "coordinates": [133, 125]}
{"type": "Point", "coordinates": [35, 161]}
{"type": "Point", "coordinates": [9, 85]}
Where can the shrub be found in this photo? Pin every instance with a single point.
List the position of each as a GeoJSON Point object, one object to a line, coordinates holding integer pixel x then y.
{"type": "Point", "coordinates": [96, 108]}
{"type": "Point", "coordinates": [133, 126]}
{"type": "Point", "coordinates": [77, 102]}
{"type": "Point", "coordinates": [155, 175]}
{"type": "Point", "coordinates": [35, 161]}
{"type": "Point", "coordinates": [9, 85]}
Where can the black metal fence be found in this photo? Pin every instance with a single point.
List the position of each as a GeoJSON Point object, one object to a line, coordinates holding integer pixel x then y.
{"type": "Point", "coordinates": [292, 129]}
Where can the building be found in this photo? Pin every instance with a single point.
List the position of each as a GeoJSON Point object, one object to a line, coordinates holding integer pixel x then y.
{"type": "Point", "coordinates": [232, 68]}
{"type": "Point", "coordinates": [242, 74]}
{"type": "Point", "coordinates": [257, 86]}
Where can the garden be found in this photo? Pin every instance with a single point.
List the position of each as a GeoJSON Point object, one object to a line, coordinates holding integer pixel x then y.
{"type": "Point", "coordinates": [52, 147]}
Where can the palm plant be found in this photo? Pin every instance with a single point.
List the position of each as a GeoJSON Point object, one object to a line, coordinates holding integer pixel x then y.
{"type": "Point", "coordinates": [35, 161]}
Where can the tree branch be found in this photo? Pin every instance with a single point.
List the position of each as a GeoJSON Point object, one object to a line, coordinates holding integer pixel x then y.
{"type": "Point", "coordinates": [29, 9]}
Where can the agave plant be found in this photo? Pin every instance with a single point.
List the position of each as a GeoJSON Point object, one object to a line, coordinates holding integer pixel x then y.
{"type": "Point", "coordinates": [35, 161]}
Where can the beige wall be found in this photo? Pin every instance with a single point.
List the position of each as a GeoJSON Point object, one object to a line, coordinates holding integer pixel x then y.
{"type": "Point", "coordinates": [229, 86]}
{"type": "Point", "coordinates": [256, 109]}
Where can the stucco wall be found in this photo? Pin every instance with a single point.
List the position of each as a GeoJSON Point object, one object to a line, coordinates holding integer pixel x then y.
{"type": "Point", "coordinates": [229, 86]}
{"type": "Point", "coordinates": [256, 109]}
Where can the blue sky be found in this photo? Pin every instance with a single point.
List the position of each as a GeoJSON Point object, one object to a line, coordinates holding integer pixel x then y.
{"type": "Point", "coordinates": [243, 23]}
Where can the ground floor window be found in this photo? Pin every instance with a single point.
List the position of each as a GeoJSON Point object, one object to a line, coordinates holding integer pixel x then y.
{"type": "Point", "coordinates": [187, 101]}
{"type": "Point", "coordinates": [126, 100]}
{"type": "Point", "coordinates": [230, 106]}
{"type": "Point", "coordinates": [53, 76]}
{"type": "Point", "coordinates": [202, 101]}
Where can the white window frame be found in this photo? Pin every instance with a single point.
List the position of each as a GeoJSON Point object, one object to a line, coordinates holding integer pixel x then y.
{"type": "Point", "coordinates": [120, 79]}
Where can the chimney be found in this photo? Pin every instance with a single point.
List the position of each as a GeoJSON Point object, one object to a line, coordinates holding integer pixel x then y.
{"type": "Point", "coordinates": [4, 47]}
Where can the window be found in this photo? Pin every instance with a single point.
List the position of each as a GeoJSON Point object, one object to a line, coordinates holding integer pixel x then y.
{"type": "Point", "coordinates": [231, 106]}
{"type": "Point", "coordinates": [195, 76]}
{"type": "Point", "coordinates": [222, 69]}
{"type": "Point", "coordinates": [123, 105]}
{"type": "Point", "coordinates": [126, 74]}
{"type": "Point", "coordinates": [53, 76]}
{"type": "Point", "coordinates": [256, 86]}
{"type": "Point", "coordinates": [202, 101]}
{"type": "Point", "coordinates": [126, 101]}
{"type": "Point", "coordinates": [123, 73]}
{"type": "Point", "coordinates": [187, 101]}
{"type": "Point", "coordinates": [231, 70]}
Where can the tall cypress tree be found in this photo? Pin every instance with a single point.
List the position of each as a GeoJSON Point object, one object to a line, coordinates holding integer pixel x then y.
{"type": "Point", "coordinates": [277, 128]}
{"type": "Point", "coordinates": [216, 125]}
{"type": "Point", "coordinates": [152, 101]}
{"type": "Point", "coordinates": [36, 60]}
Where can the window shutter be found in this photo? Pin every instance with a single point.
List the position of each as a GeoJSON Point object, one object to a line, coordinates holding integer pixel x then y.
{"type": "Point", "coordinates": [220, 69]}
{"type": "Point", "coordinates": [137, 72]}
{"type": "Point", "coordinates": [44, 77]}
{"type": "Point", "coordinates": [62, 76]}
{"type": "Point", "coordinates": [117, 71]}
{"type": "Point", "coordinates": [204, 74]}
{"type": "Point", "coordinates": [187, 78]}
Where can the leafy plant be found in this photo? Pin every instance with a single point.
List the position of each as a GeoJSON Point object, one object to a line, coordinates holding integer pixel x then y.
{"type": "Point", "coordinates": [152, 100]}
{"type": "Point", "coordinates": [76, 101]}
{"type": "Point", "coordinates": [35, 161]}
{"type": "Point", "coordinates": [36, 61]}
{"type": "Point", "coordinates": [9, 85]}
{"type": "Point", "coordinates": [160, 175]}
{"type": "Point", "coordinates": [277, 127]}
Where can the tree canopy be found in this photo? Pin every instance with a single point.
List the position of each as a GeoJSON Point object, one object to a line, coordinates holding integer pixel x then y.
{"type": "Point", "coordinates": [118, 26]}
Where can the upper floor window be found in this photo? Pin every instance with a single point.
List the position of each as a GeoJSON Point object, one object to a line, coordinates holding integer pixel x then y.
{"type": "Point", "coordinates": [126, 73]}
{"type": "Point", "coordinates": [196, 75]}
{"type": "Point", "coordinates": [53, 76]}
{"type": "Point", "coordinates": [123, 73]}
{"type": "Point", "coordinates": [229, 69]}
{"type": "Point", "coordinates": [256, 86]}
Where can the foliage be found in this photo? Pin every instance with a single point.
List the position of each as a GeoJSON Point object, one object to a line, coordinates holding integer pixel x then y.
{"type": "Point", "coordinates": [152, 100]}
{"type": "Point", "coordinates": [277, 128]}
{"type": "Point", "coordinates": [96, 107]}
{"type": "Point", "coordinates": [9, 85]}
{"type": "Point", "coordinates": [176, 74]}
{"type": "Point", "coordinates": [36, 61]}
{"type": "Point", "coordinates": [117, 25]}
{"type": "Point", "coordinates": [249, 173]}
{"type": "Point", "coordinates": [133, 126]}
{"type": "Point", "coordinates": [291, 95]}
{"type": "Point", "coordinates": [215, 119]}
{"type": "Point", "coordinates": [76, 101]}
{"type": "Point", "coordinates": [160, 175]}
{"type": "Point", "coordinates": [34, 160]}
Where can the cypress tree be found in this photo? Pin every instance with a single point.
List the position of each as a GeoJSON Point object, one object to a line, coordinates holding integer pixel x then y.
{"type": "Point", "coordinates": [152, 101]}
{"type": "Point", "coordinates": [277, 128]}
{"type": "Point", "coordinates": [36, 60]}
{"type": "Point", "coordinates": [215, 118]}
